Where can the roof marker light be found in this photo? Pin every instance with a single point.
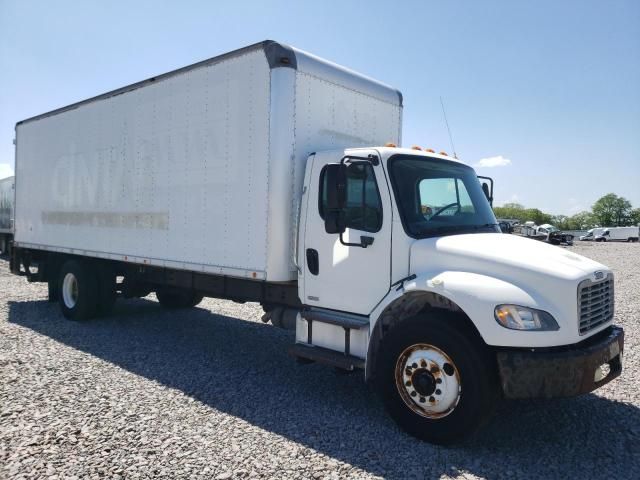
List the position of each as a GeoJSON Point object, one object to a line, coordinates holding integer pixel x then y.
{"type": "Point", "coordinates": [389, 144]}
{"type": "Point", "coordinates": [430, 150]}
{"type": "Point", "coordinates": [416, 147]}
{"type": "Point", "coordinates": [444, 153]}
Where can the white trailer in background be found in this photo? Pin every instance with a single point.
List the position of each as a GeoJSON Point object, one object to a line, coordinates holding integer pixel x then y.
{"type": "Point", "coordinates": [258, 176]}
{"type": "Point", "coordinates": [618, 234]}
{"type": "Point", "coordinates": [6, 213]}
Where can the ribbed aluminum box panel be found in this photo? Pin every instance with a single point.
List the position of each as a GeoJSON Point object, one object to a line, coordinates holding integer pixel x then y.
{"type": "Point", "coordinates": [197, 169]}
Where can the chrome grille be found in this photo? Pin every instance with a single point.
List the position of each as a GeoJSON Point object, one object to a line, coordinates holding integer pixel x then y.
{"type": "Point", "coordinates": [595, 303]}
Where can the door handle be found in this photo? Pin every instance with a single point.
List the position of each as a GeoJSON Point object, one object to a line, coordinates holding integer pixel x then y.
{"type": "Point", "coordinates": [313, 262]}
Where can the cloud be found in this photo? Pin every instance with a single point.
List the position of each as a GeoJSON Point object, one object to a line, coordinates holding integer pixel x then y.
{"type": "Point", "coordinates": [6, 170]}
{"type": "Point", "coordinates": [490, 162]}
{"type": "Point", "coordinates": [575, 206]}
{"type": "Point", "coordinates": [514, 198]}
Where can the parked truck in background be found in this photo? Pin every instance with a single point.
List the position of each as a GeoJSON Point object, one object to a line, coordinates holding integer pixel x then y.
{"type": "Point", "coordinates": [618, 234]}
{"type": "Point", "coordinates": [259, 176]}
{"type": "Point", "coordinates": [6, 213]}
{"type": "Point", "coordinates": [592, 234]}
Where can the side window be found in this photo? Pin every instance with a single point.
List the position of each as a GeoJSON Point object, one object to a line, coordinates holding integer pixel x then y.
{"type": "Point", "coordinates": [364, 207]}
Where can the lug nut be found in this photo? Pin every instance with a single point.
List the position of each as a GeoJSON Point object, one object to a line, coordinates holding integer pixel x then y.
{"type": "Point", "coordinates": [413, 394]}
{"type": "Point", "coordinates": [423, 363]}
{"type": "Point", "coordinates": [438, 391]}
{"type": "Point", "coordinates": [414, 365]}
{"type": "Point", "coordinates": [438, 380]}
{"type": "Point", "coordinates": [432, 399]}
{"type": "Point", "coordinates": [408, 383]}
{"type": "Point", "coordinates": [422, 399]}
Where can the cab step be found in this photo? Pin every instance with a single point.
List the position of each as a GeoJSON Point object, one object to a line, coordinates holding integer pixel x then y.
{"type": "Point", "coordinates": [346, 320]}
{"type": "Point", "coordinates": [326, 356]}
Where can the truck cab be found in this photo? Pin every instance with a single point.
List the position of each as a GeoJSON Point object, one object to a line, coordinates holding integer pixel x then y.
{"type": "Point", "coordinates": [403, 271]}
{"type": "Point", "coordinates": [591, 234]}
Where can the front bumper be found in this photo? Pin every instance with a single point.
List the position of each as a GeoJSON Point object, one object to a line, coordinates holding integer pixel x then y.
{"type": "Point", "coordinates": [563, 372]}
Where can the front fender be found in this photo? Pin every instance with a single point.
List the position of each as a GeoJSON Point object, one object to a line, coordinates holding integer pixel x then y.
{"type": "Point", "coordinates": [477, 295]}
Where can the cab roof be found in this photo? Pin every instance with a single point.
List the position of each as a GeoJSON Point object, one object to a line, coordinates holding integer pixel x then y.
{"type": "Point", "coordinates": [387, 152]}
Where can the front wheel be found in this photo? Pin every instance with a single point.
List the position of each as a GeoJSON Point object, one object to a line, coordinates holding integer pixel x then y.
{"type": "Point", "coordinates": [436, 382]}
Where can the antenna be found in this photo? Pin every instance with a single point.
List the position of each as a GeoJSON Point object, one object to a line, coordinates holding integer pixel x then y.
{"type": "Point", "coordinates": [448, 129]}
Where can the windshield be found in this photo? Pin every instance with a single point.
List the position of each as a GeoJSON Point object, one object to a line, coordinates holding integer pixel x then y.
{"type": "Point", "coordinates": [439, 197]}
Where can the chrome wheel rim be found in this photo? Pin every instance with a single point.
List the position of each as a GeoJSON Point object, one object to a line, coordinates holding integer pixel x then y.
{"type": "Point", "coordinates": [428, 381]}
{"type": "Point", "coordinates": [70, 290]}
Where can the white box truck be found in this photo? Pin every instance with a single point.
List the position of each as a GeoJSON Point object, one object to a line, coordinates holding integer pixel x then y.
{"type": "Point", "coordinates": [6, 213]}
{"type": "Point", "coordinates": [259, 176]}
{"type": "Point", "coordinates": [618, 234]}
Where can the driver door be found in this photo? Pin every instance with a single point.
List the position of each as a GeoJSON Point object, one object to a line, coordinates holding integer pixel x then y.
{"type": "Point", "coordinates": [337, 276]}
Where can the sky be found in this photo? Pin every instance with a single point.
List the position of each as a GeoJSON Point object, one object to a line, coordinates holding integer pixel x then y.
{"type": "Point", "coordinates": [542, 96]}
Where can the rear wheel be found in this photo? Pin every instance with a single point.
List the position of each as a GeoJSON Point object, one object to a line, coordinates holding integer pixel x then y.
{"type": "Point", "coordinates": [106, 288]}
{"type": "Point", "coordinates": [52, 290]}
{"type": "Point", "coordinates": [178, 298]}
{"type": "Point", "coordinates": [436, 382]}
{"type": "Point", "coordinates": [78, 290]}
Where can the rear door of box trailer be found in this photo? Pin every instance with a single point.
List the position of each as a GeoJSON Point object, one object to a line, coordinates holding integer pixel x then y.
{"type": "Point", "coordinates": [172, 171]}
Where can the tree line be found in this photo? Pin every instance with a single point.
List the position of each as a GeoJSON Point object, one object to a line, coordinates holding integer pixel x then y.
{"type": "Point", "coordinates": [608, 211]}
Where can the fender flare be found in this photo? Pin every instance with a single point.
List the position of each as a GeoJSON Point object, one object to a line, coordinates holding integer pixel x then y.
{"type": "Point", "coordinates": [457, 292]}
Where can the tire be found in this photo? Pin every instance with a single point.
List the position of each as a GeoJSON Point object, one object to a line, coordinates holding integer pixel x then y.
{"type": "Point", "coordinates": [52, 291]}
{"type": "Point", "coordinates": [78, 290]}
{"type": "Point", "coordinates": [106, 288]}
{"type": "Point", "coordinates": [450, 373]}
{"type": "Point", "coordinates": [178, 298]}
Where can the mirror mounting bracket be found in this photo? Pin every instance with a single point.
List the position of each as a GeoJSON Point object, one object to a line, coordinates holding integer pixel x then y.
{"type": "Point", "coordinates": [365, 241]}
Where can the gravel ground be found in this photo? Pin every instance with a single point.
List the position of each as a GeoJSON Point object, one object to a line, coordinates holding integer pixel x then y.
{"type": "Point", "coordinates": [211, 393]}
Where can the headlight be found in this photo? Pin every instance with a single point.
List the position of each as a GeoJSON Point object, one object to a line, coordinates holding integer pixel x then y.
{"type": "Point", "coordinates": [515, 317]}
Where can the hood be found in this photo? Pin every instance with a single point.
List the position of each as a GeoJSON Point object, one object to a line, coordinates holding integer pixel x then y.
{"type": "Point", "coordinates": [509, 257]}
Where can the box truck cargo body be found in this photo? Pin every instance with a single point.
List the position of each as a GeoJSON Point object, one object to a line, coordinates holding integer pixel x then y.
{"type": "Point", "coordinates": [260, 176]}
{"type": "Point", "coordinates": [158, 172]}
{"type": "Point", "coordinates": [6, 213]}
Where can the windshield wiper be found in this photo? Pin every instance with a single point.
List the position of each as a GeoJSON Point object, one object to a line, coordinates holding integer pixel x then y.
{"type": "Point", "coordinates": [477, 227]}
{"type": "Point", "coordinates": [455, 228]}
